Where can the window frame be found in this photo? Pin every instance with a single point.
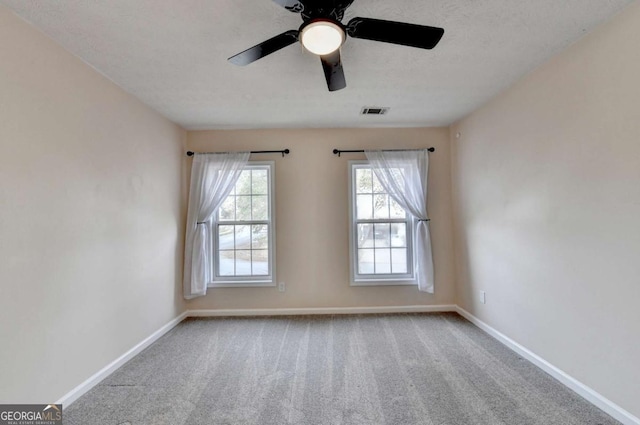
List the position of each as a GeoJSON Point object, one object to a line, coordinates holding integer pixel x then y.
{"type": "Point", "coordinates": [356, 279]}
{"type": "Point", "coordinates": [247, 281]}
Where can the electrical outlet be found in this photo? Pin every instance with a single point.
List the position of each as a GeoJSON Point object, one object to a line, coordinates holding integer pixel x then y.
{"type": "Point", "coordinates": [281, 287]}
{"type": "Point", "coordinates": [483, 297]}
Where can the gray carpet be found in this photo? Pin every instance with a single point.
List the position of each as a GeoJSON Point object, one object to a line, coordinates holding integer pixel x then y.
{"type": "Point", "coordinates": [402, 369]}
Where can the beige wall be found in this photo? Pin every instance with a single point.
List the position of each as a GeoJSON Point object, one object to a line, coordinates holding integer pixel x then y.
{"type": "Point", "coordinates": [90, 218]}
{"type": "Point", "coordinates": [547, 201]}
{"type": "Point", "coordinates": [312, 217]}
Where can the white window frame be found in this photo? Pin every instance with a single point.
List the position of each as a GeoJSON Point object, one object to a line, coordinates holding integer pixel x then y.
{"type": "Point", "coordinates": [357, 279]}
{"type": "Point", "coordinates": [248, 281]}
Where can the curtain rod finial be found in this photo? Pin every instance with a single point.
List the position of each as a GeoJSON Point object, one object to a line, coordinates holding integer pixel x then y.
{"type": "Point", "coordinates": [190, 153]}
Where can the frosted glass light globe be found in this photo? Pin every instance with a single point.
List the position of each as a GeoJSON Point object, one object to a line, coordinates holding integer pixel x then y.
{"type": "Point", "coordinates": [322, 37]}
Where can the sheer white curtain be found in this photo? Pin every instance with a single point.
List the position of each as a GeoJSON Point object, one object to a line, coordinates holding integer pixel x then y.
{"type": "Point", "coordinates": [212, 179]}
{"type": "Point", "coordinates": [403, 174]}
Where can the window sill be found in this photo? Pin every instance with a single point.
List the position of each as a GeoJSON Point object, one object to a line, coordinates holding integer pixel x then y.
{"type": "Point", "coordinates": [374, 282]}
{"type": "Point", "coordinates": [240, 284]}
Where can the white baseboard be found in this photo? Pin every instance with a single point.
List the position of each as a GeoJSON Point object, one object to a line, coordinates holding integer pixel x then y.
{"type": "Point", "coordinates": [95, 379]}
{"type": "Point", "coordinates": [567, 380]}
{"type": "Point", "coordinates": [322, 310]}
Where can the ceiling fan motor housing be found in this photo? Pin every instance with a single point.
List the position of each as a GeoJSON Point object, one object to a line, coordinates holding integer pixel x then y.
{"type": "Point", "coordinates": [332, 9]}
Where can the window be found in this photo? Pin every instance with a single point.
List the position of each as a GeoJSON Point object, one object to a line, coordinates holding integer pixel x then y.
{"type": "Point", "coordinates": [243, 231]}
{"type": "Point", "coordinates": [380, 232]}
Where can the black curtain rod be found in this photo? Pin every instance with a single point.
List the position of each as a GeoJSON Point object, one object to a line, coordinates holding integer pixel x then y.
{"type": "Point", "coordinates": [283, 152]}
{"type": "Point", "coordinates": [338, 151]}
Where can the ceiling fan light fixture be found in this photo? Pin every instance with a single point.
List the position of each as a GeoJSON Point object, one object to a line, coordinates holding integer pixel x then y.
{"type": "Point", "coordinates": [322, 33]}
{"type": "Point", "coordinates": [322, 37]}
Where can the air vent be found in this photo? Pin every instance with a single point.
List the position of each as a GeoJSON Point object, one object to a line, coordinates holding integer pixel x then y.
{"type": "Point", "coordinates": [374, 110]}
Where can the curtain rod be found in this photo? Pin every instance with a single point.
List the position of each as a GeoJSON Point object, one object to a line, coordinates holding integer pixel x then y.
{"type": "Point", "coordinates": [339, 152]}
{"type": "Point", "coordinates": [283, 152]}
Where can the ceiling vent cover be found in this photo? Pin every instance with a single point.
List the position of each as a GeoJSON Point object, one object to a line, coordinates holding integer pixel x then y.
{"type": "Point", "coordinates": [374, 110]}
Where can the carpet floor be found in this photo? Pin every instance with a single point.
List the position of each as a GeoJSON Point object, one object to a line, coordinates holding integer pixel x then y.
{"type": "Point", "coordinates": [403, 369]}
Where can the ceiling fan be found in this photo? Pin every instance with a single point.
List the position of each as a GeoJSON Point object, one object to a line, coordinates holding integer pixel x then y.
{"type": "Point", "coordinates": [322, 33]}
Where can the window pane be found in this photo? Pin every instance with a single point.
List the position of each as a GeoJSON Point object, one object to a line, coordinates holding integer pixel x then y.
{"type": "Point", "coordinates": [259, 182]}
{"type": "Point", "coordinates": [377, 187]}
{"type": "Point", "coordinates": [227, 209]}
{"type": "Point", "coordinates": [399, 235]}
{"type": "Point", "coordinates": [259, 236]}
{"type": "Point", "coordinates": [364, 207]}
{"type": "Point", "coordinates": [381, 206]}
{"type": "Point", "coordinates": [243, 185]}
{"type": "Point", "coordinates": [226, 236]}
{"type": "Point", "coordinates": [365, 261]}
{"type": "Point", "coordinates": [363, 180]}
{"type": "Point", "coordinates": [260, 262]}
{"type": "Point", "coordinates": [243, 208]}
{"type": "Point", "coordinates": [260, 207]}
{"type": "Point", "coordinates": [243, 262]}
{"type": "Point", "coordinates": [399, 260]}
{"type": "Point", "coordinates": [365, 235]}
{"type": "Point", "coordinates": [243, 237]}
{"type": "Point", "coordinates": [396, 211]}
{"type": "Point", "coordinates": [382, 235]}
{"type": "Point", "coordinates": [225, 263]}
{"type": "Point", "coordinates": [383, 260]}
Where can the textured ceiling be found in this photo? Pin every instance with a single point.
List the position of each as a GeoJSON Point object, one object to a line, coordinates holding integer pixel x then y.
{"type": "Point", "coordinates": [172, 55]}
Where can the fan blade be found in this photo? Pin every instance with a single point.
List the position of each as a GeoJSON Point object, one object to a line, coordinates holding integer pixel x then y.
{"type": "Point", "coordinates": [291, 5]}
{"type": "Point", "coordinates": [333, 72]}
{"type": "Point", "coordinates": [265, 48]}
{"type": "Point", "coordinates": [412, 35]}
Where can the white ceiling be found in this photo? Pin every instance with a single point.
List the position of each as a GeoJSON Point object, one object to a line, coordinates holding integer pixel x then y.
{"type": "Point", "coordinates": [172, 54]}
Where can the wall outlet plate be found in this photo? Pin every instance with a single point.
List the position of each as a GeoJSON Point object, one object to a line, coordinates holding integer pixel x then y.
{"type": "Point", "coordinates": [281, 287]}
{"type": "Point", "coordinates": [483, 297]}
